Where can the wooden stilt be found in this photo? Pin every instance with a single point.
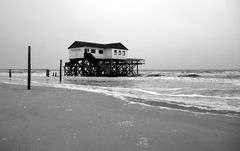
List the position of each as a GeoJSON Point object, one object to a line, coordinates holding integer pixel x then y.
{"type": "Point", "coordinates": [137, 68]}
{"type": "Point", "coordinates": [10, 73]}
{"type": "Point", "coordinates": [29, 68]}
{"type": "Point", "coordinates": [91, 66]}
{"type": "Point", "coordinates": [47, 72]}
{"type": "Point", "coordinates": [60, 72]}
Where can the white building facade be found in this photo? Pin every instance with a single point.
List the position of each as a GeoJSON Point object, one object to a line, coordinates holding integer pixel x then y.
{"type": "Point", "coordinates": [99, 51]}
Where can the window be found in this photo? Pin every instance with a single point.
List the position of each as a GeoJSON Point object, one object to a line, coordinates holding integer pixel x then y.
{"type": "Point", "coordinates": [93, 51]}
{"type": "Point", "coordinates": [100, 51]}
{"type": "Point", "coordinates": [123, 53]}
{"type": "Point", "coordinates": [119, 52]}
{"type": "Point", "coordinates": [115, 52]}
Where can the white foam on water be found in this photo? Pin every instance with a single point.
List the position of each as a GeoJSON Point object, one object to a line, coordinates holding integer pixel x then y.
{"type": "Point", "coordinates": [143, 94]}
{"type": "Point", "coordinates": [15, 83]}
{"type": "Point", "coordinates": [164, 89]}
{"type": "Point", "coordinates": [147, 91]}
{"type": "Point", "coordinates": [186, 95]}
{"type": "Point", "coordinates": [126, 93]}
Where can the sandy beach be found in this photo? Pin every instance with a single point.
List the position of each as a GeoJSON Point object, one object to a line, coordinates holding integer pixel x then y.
{"type": "Point", "coordinates": [49, 119]}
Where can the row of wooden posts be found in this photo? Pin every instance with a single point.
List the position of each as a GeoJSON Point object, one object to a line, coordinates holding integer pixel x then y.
{"type": "Point", "coordinates": [47, 72]}
{"type": "Point", "coordinates": [54, 74]}
{"type": "Point", "coordinates": [29, 70]}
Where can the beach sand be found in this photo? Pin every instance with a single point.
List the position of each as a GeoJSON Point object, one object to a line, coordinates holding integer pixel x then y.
{"type": "Point", "coordinates": [49, 119]}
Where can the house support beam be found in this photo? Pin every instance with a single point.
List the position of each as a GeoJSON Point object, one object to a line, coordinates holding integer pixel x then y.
{"type": "Point", "coordinates": [101, 67]}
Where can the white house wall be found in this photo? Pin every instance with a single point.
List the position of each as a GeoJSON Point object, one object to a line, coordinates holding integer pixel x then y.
{"type": "Point", "coordinates": [107, 53]}
{"type": "Point", "coordinates": [75, 53]}
{"type": "Point", "coordinates": [96, 54]}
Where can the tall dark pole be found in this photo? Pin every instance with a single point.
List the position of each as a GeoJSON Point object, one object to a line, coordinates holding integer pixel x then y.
{"type": "Point", "coordinates": [10, 73]}
{"type": "Point", "coordinates": [47, 72]}
{"type": "Point", "coordinates": [60, 76]}
{"type": "Point", "coordinates": [29, 68]}
{"type": "Point", "coordinates": [137, 68]}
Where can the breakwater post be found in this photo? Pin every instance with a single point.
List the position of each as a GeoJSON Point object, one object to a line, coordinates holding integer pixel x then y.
{"type": "Point", "coordinates": [137, 68]}
{"type": "Point", "coordinates": [60, 76]}
{"type": "Point", "coordinates": [10, 73]}
{"type": "Point", "coordinates": [47, 72]}
{"type": "Point", "coordinates": [29, 68]}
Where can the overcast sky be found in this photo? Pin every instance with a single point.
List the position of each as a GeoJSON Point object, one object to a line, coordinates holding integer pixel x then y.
{"type": "Point", "coordinates": [169, 34]}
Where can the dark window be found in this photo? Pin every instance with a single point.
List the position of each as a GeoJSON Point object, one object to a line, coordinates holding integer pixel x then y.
{"type": "Point", "coordinates": [123, 53]}
{"type": "Point", "coordinates": [119, 52]}
{"type": "Point", "coordinates": [93, 51]}
{"type": "Point", "coordinates": [100, 51]}
{"type": "Point", "coordinates": [115, 52]}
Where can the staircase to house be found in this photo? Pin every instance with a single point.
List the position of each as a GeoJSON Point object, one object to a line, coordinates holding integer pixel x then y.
{"type": "Point", "coordinates": [90, 58]}
{"type": "Point", "coordinates": [100, 67]}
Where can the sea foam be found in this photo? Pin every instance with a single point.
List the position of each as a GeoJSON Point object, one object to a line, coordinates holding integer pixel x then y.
{"type": "Point", "coordinates": [208, 92]}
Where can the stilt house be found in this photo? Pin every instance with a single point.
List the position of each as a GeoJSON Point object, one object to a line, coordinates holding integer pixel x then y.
{"type": "Point", "coordinates": [94, 59]}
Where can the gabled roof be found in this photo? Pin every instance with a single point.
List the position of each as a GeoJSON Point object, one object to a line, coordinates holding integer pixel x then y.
{"type": "Point", "coordinates": [77, 44]}
{"type": "Point", "coordinates": [116, 45]}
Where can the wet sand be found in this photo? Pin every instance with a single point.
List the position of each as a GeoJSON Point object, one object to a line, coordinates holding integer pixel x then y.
{"type": "Point", "coordinates": [48, 119]}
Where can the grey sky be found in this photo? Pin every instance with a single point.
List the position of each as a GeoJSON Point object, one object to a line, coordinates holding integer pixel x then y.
{"type": "Point", "coordinates": [169, 34]}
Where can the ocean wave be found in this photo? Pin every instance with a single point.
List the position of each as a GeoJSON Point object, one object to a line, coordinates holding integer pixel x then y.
{"type": "Point", "coordinates": [164, 89]}
{"type": "Point", "coordinates": [229, 74]}
{"type": "Point", "coordinates": [189, 108]}
{"type": "Point", "coordinates": [155, 75]}
{"type": "Point", "coordinates": [203, 80]}
{"type": "Point", "coordinates": [189, 75]}
{"type": "Point", "coordinates": [200, 96]}
{"type": "Point", "coordinates": [186, 95]}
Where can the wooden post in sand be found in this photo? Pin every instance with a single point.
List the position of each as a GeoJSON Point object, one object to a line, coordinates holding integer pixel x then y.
{"type": "Point", "coordinates": [137, 68]}
{"type": "Point", "coordinates": [47, 72]}
{"type": "Point", "coordinates": [29, 68]}
{"type": "Point", "coordinates": [60, 76]}
{"type": "Point", "coordinates": [10, 73]}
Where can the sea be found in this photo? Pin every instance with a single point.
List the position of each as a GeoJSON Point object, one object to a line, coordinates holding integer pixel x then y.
{"type": "Point", "coordinates": [199, 91]}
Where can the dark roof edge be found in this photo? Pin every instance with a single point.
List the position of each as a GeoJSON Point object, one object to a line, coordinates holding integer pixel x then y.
{"type": "Point", "coordinates": [117, 45]}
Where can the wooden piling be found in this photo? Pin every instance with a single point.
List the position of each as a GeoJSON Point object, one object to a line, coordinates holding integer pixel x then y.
{"type": "Point", "coordinates": [137, 68]}
{"type": "Point", "coordinates": [60, 76]}
{"type": "Point", "coordinates": [10, 73]}
{"type": "Point", "coordinates": [47, 72]}
{"type": "Point", "coordinates": [103, 67]}
{"type": "Point", "coordinates": [29, 68]}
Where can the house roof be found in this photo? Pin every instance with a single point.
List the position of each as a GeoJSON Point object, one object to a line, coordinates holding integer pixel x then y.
{"type": "Point", "coordinates": [77, 44]}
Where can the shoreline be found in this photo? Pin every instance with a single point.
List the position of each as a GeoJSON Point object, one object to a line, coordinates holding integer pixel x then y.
{"type": "Point", "coordinates": [59, 119]}
{"type": "Point", "coordinates": [154, 104]}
